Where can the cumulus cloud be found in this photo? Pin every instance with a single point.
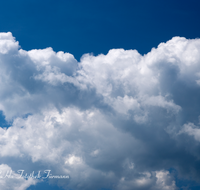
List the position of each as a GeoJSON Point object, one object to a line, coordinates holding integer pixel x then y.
{"type": "Point", "coordinates": [115, 121]}
{"type": "Point", "coordinates": [12, 180]}
{"type": "Point", "coordinates": [158, 180]}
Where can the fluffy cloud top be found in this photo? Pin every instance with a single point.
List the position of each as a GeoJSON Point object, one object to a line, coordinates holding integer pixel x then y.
{"type": "Point", "coordinates": [116, 121]}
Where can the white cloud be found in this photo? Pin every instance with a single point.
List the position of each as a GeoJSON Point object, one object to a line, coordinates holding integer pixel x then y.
{"type": "Point", "coordinates": [191, 130]}
{"type": "Point", "coordinates": [104, 121]}
{"type": "Point", "coordinates": [12, 180]}
{"type": "Point", "coordinates": [7, 43]}
{"type": "Point", "coordinates": [164, 181]}
{"type": "Point", "coordinates": [158, 180]}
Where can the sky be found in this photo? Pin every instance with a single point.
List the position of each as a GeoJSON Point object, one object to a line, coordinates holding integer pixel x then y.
{"type": "Point", "coordinates": [99, 95]}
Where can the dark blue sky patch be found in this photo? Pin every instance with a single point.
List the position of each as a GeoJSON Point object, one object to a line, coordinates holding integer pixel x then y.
{"type": "Point", "coordinates": [3, 122]}
{"type": "Point", "coordinates": [44, 186]}
{"type": "Point", "coordinates": [184, 183]}
{"type": "Point", "coordinates": [80, 27]}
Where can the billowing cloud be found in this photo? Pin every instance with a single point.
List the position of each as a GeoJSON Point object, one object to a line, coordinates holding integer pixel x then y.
{"type": "Point", "coordinates": [115, 121]}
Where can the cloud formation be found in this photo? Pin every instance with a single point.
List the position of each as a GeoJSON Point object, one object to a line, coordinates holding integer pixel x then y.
{"type": "Point", "coordinates": [115, 121]}
{"type": "Point", "coordinates": [15, 183]}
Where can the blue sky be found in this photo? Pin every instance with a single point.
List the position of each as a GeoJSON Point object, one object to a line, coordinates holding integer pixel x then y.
{"type": "Point", "coordinates": [89, 26]}
{"type": "Point", "coordinates": [105, 92]}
